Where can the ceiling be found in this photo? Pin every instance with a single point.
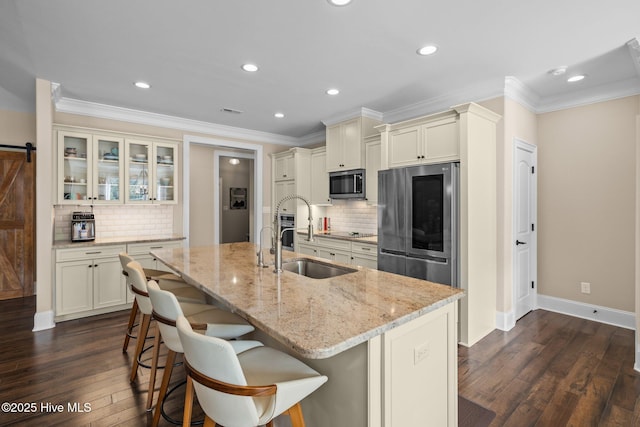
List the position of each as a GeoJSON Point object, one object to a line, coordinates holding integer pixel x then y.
{"type": "Point", "coordinates": [191, 53]}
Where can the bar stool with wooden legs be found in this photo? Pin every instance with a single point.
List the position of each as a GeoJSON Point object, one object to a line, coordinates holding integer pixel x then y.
{"type": "Point", "coordinates": [246, 389]}
{"type": "Point", "coordinates": [167, 281]}
{"type": "Point", "coordinates": [210, 320]}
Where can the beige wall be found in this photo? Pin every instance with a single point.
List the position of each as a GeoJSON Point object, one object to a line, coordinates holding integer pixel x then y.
{"type": "Point", "coordinates": [201, 207]}
{"type": "Point", "coordinates": [586, 203]}
{"type": "Point", "coordinates": [17, 128]}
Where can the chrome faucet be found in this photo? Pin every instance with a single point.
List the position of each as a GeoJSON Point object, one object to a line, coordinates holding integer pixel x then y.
{"type": "Point", "coordinates": [260, 257]}
{"type": "Point", "coordinates": [279, 232]}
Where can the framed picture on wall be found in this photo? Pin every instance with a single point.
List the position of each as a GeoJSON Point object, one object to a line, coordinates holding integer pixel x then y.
{"type": "Point", "coordinates": [237, 198]}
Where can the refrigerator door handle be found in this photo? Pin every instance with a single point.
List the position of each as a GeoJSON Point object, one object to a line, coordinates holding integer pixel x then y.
{"type": "Point", "coordinates": [430, 258]}
{"type": "Point", "coordinates": [392, 252]}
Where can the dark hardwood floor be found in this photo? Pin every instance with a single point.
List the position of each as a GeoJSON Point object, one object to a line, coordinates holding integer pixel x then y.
{"type": "Point", "coordinates": [554, 370]}
{"type": "Point", "coordinates": [550, 370]}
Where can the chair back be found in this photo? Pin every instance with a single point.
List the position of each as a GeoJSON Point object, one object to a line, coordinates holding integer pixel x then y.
{"type": "Point", "coordinates": [166, 311]}
{"type": "Point", "coordinates": [138, 282]}
{"type": "Point", "coordinates": [216, 358]}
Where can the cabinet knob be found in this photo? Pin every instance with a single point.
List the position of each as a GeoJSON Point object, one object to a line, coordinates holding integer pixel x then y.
{"type": "Point", "coordinates": [422, 157]}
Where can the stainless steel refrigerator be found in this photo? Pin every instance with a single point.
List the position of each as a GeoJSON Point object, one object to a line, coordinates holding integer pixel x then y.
{"type": "Point", "coordinates": [418, 222]}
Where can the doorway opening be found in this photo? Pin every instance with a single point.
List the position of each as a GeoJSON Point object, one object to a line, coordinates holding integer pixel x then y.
{"type": "Point", "coordinates": [235, 188]}
{"type": "Point", "coordinates": [204, 196]}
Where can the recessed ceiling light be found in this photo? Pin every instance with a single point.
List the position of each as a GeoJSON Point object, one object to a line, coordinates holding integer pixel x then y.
{"type": "Point", "coordinates": [339, 2]}
{"type": "Point", "coordinates": [576, 78]}
{"type": "Point", "coordinates": [251, 68]}
{"type": "Point", "coordinates": [427, 50]}
{"type": "Point", "coordinates": [279, 115]}
{"type": "Point", "coordinates": [234, 161]}
{"type": "Point", "coordinates": [333, 91]}
{"type": "Point", "coordinates": [558, 71]}
{"type": "Point", "coordinates": [142, 85]}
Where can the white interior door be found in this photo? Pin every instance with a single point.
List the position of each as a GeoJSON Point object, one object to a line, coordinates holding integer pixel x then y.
{"type": "Point", "coordinates": [524, 244]}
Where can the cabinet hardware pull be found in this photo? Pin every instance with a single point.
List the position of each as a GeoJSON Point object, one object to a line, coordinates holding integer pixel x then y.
{"type": "Point", "coordinates": [365, 249]}
{"type": "Point", "coordinates": [90, 265]}
{"type": "Point", "coordinates": [332, 254]}
{"type": "Point", "coordinates": [422, 157]}
{"type": "Point", "coordinates": [518, 242]}
{"type": "Point", "coordinates": [156, 247]}
{"type": "Point", "coordinates": [92, 253]}
{"type": "Point", "coordinates": [95, 265]}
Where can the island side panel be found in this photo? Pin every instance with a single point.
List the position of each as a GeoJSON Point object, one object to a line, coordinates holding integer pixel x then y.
{"type": "Point", "coordinates": [420, 371]}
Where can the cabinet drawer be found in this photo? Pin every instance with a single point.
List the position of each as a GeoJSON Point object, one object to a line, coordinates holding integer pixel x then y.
{"type": "Point", "coordinates": [145, 248]}
{"type": "Point", "coordinates": [333, 243]}
{"type": "Point", "coordinates": [89, 253]}
{"type": "Point", "coordinates": [364, 248]}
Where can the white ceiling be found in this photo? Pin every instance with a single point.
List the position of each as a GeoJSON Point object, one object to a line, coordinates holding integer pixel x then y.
{"type": "Point", "coordinates": [191, 52]}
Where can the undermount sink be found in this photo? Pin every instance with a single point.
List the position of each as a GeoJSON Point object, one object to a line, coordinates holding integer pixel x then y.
{"type": "Point", "coordinates": [315, 269]}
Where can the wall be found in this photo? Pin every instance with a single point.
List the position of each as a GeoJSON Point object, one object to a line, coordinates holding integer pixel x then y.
{"type": "Point", "coordinates": [17, 128]}
{"type": "Point", "coordinates": [352, 215]}
{"type": "Point", "coordinates": [586, 203]}
{"type": "Point", "coordinates": [201, 201]}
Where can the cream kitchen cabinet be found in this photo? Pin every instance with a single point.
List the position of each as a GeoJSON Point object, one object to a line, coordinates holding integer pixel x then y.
{"type": "Point", "coordinates": [141, 253]}
{"type": "Point", "coordinates": [285, 168]}
{"type": "Point", "coordinates": [344, 251]}
{"type": "Point", "coordinates": [434, 141]}
{"type": "Point", "coordinates": [345, 143]}
{"type": "Point", "coordinates": [319, 177]}
{"type": "Point", "coordinates": [373, 158]}
{"type": "Point", "coordinates": [90, 168]}
{"type": "Point", "coordinates": [151, 172]}
{"type": "Point", "coordinates": [89, 281]}
{"type": "Point", "coordinates": [298, 182]}
{"type": "Point", "coordinates": [364, 255]}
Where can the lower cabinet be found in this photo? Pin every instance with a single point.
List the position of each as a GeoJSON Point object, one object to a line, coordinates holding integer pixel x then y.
{"type": "Point", "coordinates": [141, 253]}
{"type": "Point", "coordinates": [344, 251]}
{"type": "Point", "coordinates": [89, 281]}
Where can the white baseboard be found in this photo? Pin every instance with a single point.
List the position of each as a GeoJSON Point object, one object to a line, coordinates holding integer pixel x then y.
{"type": "Point", "coordinates": [610, 316]}
{"type": "Point", "coordinates": [505, 321]}
{"type": "Point", "coordinates": [43, 320]}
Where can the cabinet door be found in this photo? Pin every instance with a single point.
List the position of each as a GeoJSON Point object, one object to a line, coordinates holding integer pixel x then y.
{"type": "Point", "coordinates": [284, 168]}
{"type": "Point", "coordinates": [319, 179]}
{"type": "Point", "coordinates": [373, 160]}
{"type": "Point", "coordinates": [351, 144]}
{"type": "Point", "coordinates": [74, 167]}
{"type": "Point", "coordinates": [334, 255]}
{"type": "Point", "coordinates": [364, 261]}
{"type": "Point", "coordinates": [405, 147]}
{"type": "Point", "coordinates": [285, 188]}
{"type": "Point", "coordinates": [307, 249]}
{"type": "Point", "coordinates": [74, 287]}
{"type": "Point", "coordinates": [138, 173]}
{"type": "Point", "coordinates": [441, 141]}
{"type": "Point", "coordinates": [334, 149]}
{"type": "Point", "coordinates": [108, 172]}
{"type": "Point", "coordinates": [165, 173]}
{"type": "Point", "coordinates": [108, 283]}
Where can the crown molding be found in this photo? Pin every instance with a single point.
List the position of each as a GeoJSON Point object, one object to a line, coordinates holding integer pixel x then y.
{"type": "Point", "coordinates": [92, 109]}
{"type": "Point", "coordinates": [633, 46]}
{"type": "Point", "coordinates": [360, 112]}
{"type": "Point", "coordinates": [481, 92]}
{"type": "Point", "coordinates": [517, 91]}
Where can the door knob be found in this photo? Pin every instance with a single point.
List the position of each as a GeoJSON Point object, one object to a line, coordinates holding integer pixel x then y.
{"type": "Point", "coordinates": [518, 242]}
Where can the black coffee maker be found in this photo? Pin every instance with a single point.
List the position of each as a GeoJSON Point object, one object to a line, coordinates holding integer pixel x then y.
{"type": "Point", "coordinates": [83, 227]}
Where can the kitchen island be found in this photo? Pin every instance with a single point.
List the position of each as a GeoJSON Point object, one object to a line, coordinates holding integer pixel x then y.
{"type": "Point", "coordinates": [388, 343]}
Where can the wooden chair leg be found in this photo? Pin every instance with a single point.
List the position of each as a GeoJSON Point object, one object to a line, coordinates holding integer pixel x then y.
{"type": "Point", "coordinates": [132, 321]}
{"type": "Point", "coordinates": [188, 403]}
{"type": "Point", "coordinates": [295, 413]}
{"type": "Point", "coordinates": [208, 422]}
{"type": "Point", "coordinates": [142, 335]}
{"type": "Point", "coordinates": [154, 367]}
{"type": "Point", "coordinates": [168, 368]}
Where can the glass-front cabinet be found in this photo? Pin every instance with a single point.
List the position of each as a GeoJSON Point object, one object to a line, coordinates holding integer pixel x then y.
{"type": "Point", "coordinates": [151, 172]}
{"type": "Point", "coordinates": [89, 168]}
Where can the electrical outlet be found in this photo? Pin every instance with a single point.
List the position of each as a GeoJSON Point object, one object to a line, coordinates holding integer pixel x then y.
{"type": "Point", "coordinates": [585, 287]}
{"type": "Point", "coordinates": [421, 352]}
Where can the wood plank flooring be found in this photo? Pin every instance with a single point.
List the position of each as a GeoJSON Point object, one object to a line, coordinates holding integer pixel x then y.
{"type": "Point", "coordinates": [550, 370]}
{"type": "Point", "coordinates": [554, 370]}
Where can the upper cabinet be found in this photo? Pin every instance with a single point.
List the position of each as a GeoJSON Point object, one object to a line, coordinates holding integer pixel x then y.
{"type": "Point", "coordinates": [319, 177]}
{"type": "Point", "coordinates": [97, 168]}
{"type": "Point", "coordinates": [290, 176]}
{"type": "Point", "coordinates": [373, 161]}
{"type": "Point", "coordinates": [89, 168]}
{"type": "Point", "coordinates": [285, 167]}
{"type": "Point", "coordinates": [151, 173]}
{"type": "Point", "coordinates": [435, 141]}
{"type": "Point", "coordinates": [345, 143]}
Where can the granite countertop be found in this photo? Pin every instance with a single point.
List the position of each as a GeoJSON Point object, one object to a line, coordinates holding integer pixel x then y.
{"type": "Point", "coordinates": [65, 244]}
{"type": "Point", "coordinates": [317, 318]}
{"type": "Point", "coordinates": [342, 235]}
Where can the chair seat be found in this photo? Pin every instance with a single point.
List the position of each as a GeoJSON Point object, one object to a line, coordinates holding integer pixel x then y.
{"type": "Point", "coordinates": [265, 365]}
{"type": "Point", "coordinates": [220, 323]}
{"type": "Point", "coordinates": [184, 293]}
{"type": "Point", "coordinates": [153, 274]}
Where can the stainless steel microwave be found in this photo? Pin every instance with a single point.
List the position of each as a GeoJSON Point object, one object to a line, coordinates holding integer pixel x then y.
{"type": "Point", "coordinates": [347, 184]}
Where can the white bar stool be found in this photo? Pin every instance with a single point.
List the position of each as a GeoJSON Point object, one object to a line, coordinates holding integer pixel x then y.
{"type": "Point", "coordinates": [246, 389]}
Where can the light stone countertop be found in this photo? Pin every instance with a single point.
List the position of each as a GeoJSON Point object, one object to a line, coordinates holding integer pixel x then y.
{"type": "Point", "coordinates": [66, 244]}
{"type": "Point", "coordinates": [341, 236]}
{"type": "Point", "coordinates": [317, 318]}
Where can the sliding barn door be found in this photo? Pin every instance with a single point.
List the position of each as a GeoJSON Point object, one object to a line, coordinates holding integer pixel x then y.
{"type": "Point", "coordinates": [17, 199]}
